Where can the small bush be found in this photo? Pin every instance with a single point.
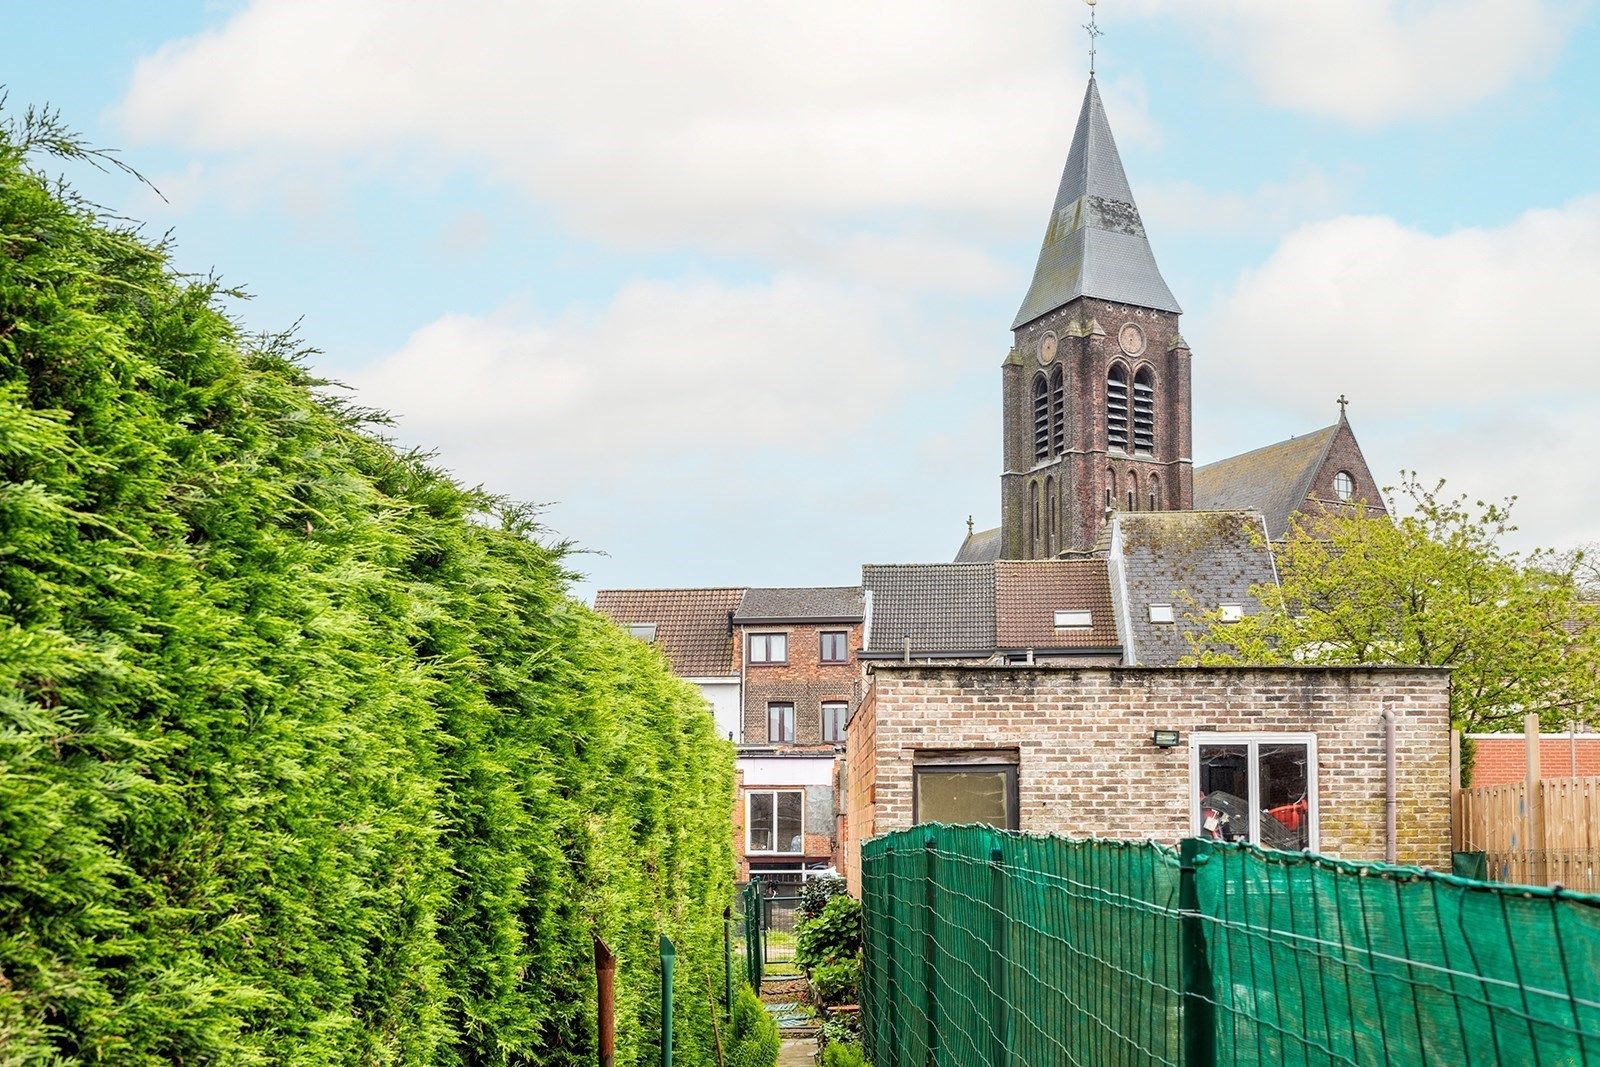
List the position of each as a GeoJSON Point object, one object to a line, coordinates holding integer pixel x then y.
{"type": "Point", "coordinates": [816, 893]}
{"type": "Point", "coordinates": [841, 1027]}
{"type": "Point", "coordinates": [755, 1036]}
{"type": "Point", "coordinates": [838, 982]}
{"type": "Point", "coordinates": [844, 1054]}
{"type": "Point", "coordinates": [833, 935]}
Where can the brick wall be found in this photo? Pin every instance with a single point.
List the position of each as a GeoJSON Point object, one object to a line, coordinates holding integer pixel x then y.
{"type": "Point", "coordinates": [1344, 454]}
{"type": "Point", "coordinates": [1086, 355]}
{"type": "Point", "coordinates": [805, 680]}
{"type": "Point", "coordinates": [1500, 759]}
{"type": "Point", "coordinates": [1087, 766]}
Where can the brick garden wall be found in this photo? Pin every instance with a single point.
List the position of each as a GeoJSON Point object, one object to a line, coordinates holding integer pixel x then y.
{"type": "Point", "coordinates": [1087, 766]}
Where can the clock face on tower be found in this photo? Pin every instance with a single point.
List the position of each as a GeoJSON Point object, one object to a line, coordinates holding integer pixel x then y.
{"type": "Point", "coordinates": [1131, 338]}
{"type": "Point", "coordinates": [1047, 348]}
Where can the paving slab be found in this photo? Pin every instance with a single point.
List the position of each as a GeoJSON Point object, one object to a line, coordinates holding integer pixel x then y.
{"type": "Point", "coordinates": [794, 1053]}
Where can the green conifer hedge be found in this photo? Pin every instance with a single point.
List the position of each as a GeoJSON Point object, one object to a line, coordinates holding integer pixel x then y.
{"type": "Point", "coordinates": [306, 755]}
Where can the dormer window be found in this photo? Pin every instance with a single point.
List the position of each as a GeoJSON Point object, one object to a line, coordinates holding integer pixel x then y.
{"type": "Point", "coordinates": [1232, 612]}
{"type": "Point", "coordinates": [1344, 487]}
{"type": "Point", "coordinates": [1160, 612]}
{"type": "Point", "coordinates": [1073, 620]}
{"type": "Point", "coordinates": [644, 631]}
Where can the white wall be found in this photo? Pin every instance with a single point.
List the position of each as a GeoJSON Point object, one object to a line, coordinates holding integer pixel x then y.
{"type": "Point", "coordinates": [787, 770]}
{"type": "Point", "coordinates": [723, 696]}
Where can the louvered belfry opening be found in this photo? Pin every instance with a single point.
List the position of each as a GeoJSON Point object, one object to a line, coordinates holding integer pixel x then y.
{"type": "Point", "coordinates": [1117, 408]}
{"type": "Point", "coordinates": [1058, 411]}
{"type": "Point", "coordinates": [1041, 417]}
{"type": "Point", "coordinates": [1144, 412]}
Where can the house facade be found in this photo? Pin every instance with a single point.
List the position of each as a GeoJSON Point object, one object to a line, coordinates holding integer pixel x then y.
{"type": "Point", "coordinates": [1286, 757]}
{"type": "Point", "coordinates": [779, 670]}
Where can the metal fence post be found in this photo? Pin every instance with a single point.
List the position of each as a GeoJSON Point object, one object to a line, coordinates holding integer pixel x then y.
{"type": "Point", "coordinates": [668, 957]}
{"type": "Point", "coordinates": [930, 973]}
{"type": "Point", "coordinates": [758, 952]}
{"type": "Point", "coordinates": [999, 962]}
{"type": "Point", "coordinates": [1198, 995]}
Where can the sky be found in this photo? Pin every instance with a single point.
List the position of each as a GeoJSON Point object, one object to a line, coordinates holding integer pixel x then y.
{"type": "Point", "coordinates": [726, 286]}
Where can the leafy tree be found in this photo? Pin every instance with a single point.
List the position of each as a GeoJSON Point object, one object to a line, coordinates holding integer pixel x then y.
{"type": "Point", "coordinates": [1434, 586]}
{"type": "Point", "coordinates": [306, 755]}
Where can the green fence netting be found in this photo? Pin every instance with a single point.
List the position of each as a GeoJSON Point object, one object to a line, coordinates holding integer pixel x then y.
{"type": "Point", "coordinates": [991, 948]}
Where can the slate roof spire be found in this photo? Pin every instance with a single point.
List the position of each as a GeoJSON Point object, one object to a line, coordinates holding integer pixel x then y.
{"type": "Point", "coordinates": [1095, 244]}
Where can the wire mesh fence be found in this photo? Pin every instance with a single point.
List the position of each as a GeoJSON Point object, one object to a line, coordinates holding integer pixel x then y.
{"type": "Point", "coordinates": [991, 948]}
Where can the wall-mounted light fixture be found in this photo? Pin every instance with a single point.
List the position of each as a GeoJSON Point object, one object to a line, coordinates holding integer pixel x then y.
{"type": "Point", "coordinates": [1165, 738]}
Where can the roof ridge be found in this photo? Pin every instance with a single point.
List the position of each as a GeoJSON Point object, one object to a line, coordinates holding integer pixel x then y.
{"type": "Point", "coordinates": [1275, 444]}
{"type": "Point", "coordinates": [675, 589]}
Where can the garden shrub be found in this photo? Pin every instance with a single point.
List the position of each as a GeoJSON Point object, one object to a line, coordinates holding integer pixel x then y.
{"type": "Point", "coordinates": [306, 754]}
{"type": "Point", "coordinates": [841, 1027]}
{"type": "Point", "coordinates": [815, 893]}
{"type": "Point", "coordinates": [755, 1034]}
{"type": "Point", "coordinates": [844, 1054]}
{"type": "Point", "coordinates": [838, 982]}
{"type": "Point", "coordinates": [833, 935]}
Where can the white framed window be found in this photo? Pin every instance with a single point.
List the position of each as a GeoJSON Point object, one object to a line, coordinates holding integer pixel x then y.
{"type": "Point", "coordinates": [1259, 788]}
{"type": "Point", "coordinates": [1232, 612]}
{"type": "Point", "coordinates": [780, 722]}
{"type": "Point", "coordinates": [1074, 620]}
{"type": "Point", "coordinates": [775, 821]}
{"type": "Point", "coordinates": [1344, 487]}
{"type": "Point", "coordinates": [835, 713]}
{"type": "Point", "coordinates": [644, 631]}
{"type": "Point", "coordinates": [769, 648]}
{"type": "Point", "coordinates": [1161, 613]}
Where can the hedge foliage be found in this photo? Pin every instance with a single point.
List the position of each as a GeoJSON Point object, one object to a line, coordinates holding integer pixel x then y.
{"type": "Point", "coordinates": [755, 1039]}
{"type": "Point", "coordinates": [306, 756]}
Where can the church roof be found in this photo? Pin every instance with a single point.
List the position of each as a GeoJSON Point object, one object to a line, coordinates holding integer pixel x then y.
{"type": "Point", "coordinates": [980, 547]}
{"type": "Point", "coordinates": [1095, 244]}
{"type": "Point", "coordinates": [1273, 480]}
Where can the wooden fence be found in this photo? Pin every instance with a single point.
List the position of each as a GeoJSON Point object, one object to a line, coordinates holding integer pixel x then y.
{"type": "Point", "coordinates": [1540, 831]}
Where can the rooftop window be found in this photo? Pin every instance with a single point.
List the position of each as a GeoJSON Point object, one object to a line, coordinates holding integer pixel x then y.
{"type": "Point", "coordinates": [644, 631]}
{"type": "Point", "coordinates": [1073, 620]}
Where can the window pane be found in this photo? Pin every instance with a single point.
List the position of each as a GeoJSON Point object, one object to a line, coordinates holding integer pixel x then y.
{"type": "Point", "coordinates": [833, 720]}
{"type": "Point", "coordinates": [760, 822]}
{"type": "Point", "coordinates": [1285, 806]}
{"type": "Point", "coordinates": [1225, 792]}
{"type": "Point", "coordinates": [981, 796]}
{"type": "Point", "coordinates": [789, 822]}
{"type": "Point", "coordinates": [779, 649]}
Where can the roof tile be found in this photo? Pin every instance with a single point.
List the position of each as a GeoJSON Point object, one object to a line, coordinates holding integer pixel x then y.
{"type": "Point", "coordinates": [692, 628]}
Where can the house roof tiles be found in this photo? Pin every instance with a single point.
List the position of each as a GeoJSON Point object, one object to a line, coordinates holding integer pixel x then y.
{"type": "Point", "coordinates": [840, 603]}
{"type": "Point", "coordinates": [692, 628]}
{"type": "Point", "coordinates": [1028, 593]}
{"type": "Point", "coordinates": [942, 607]}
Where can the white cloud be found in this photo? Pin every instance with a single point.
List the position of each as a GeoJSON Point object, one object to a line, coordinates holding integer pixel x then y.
{"type": "Point", "coordinates": [1270, 208]}
{"type": "Point", "coordinates": [665, 372]}
{"type": "Point", "coordinates": [1369, 62]}
{"type": "Point", "coordinates": [1466, 355]}
{"type": "Point", "coordinates": [735, 127]}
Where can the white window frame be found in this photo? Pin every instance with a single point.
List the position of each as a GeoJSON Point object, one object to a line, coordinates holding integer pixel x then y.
{"type": "Point", "coordinates": [1074, 620]}
{"type": "Point", "coordinates": [1231, 612]}
{"type": "Point", "coordinates": [1253, 743]}
{"type": "Point", "coordinates": [1157, 611]}
{"type": "Point", "coordinates": [750, 649]}
{"type": "Point", "coordinates": [751, 850]}
{"type": "Point", "coordinates": [824, 707]}
{"type": "Point", "coordinates": [644, 631]}
{"type": "Point", "coordinates": [1339, 491]}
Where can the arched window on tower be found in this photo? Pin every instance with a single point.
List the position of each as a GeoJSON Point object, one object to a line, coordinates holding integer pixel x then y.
{"type": "Point", "coordinates": [1144, 412]}
{"type": "Point", "coordinates": [1155, 493]}
{"type": "Point", "coordinates": [1133, 491]}
{"type": "Point", "coordinates": [1058, 410]}
{"type": "Point", "coordinates": [1111, 488]}
{"type": "Point", "coordinates": [1117, 408]}
{"type": "Point", "coordinates": [1041, 417]}
{"type": "Point", "coordinates": [1033, 527]}
{"type": "Point", "coordinates": [1051, 509]}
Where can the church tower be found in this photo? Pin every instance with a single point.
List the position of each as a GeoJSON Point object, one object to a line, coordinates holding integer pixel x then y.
{"type": "Point", "coordinates": [1097, 405]}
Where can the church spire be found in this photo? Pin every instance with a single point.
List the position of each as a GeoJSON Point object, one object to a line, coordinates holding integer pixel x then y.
{"type": "Point", "coordinates": [1095, 245]}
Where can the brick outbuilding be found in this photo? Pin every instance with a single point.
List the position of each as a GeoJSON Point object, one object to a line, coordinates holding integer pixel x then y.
{"type": "Point", "coordinates": [1287, 757]}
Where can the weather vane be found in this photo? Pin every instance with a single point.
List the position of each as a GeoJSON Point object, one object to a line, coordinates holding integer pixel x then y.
{"type": "Point", "coordinates": [1094, 31]}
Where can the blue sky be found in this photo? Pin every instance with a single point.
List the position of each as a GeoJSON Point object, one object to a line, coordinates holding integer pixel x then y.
{"type": "Point", "coordinates": [728, 285]}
